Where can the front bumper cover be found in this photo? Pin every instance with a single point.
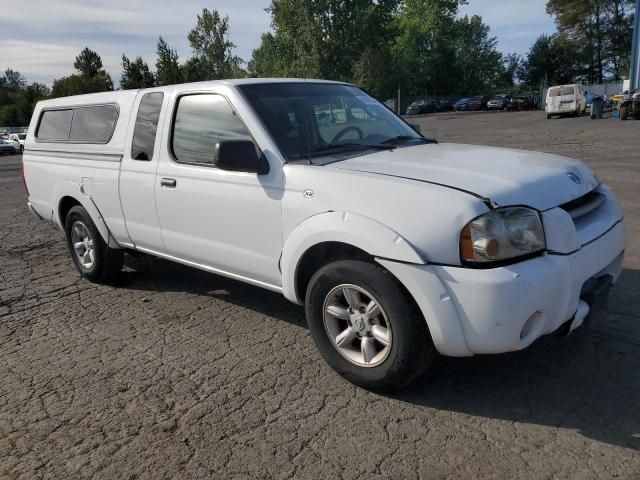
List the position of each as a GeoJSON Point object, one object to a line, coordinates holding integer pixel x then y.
{"type": "Point", "coordinates": [506, 309]}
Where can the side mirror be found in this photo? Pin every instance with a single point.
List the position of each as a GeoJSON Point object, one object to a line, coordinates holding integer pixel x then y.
{"type": "Point", "coordinates": [416, 127]}
{"type": "Point", "coordinates": [239, 156]}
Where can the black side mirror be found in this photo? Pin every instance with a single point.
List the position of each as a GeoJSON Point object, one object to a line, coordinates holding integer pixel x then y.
{"type": "Point", "coordinates": [239, 156]}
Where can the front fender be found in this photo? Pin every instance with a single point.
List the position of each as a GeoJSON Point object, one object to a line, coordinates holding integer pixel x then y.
{"type": "Point", "coordinates": [79, 192]}
{"type": "Point", "coordinates": [362, 232]}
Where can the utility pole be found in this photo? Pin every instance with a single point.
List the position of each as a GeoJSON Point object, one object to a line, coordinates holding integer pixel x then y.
{"type": "Point", "coordinates": [634, 74]}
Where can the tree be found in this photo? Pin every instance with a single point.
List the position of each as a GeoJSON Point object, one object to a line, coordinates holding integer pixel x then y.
{"type": "Point", "coordinates": [12, 80]}
{"type": "Point", "coordinates": [90, 79]}
{"type": "Point", "coordinates": [88, 63]}
{"type": "Point", "coordinates": [510, 70]}
{"type": "Point", "coordinates": [551, 58]}
{"type": "Point", "coordinates": [136, 74]}
{"type": "Point", "coordinates": [424, 46]}
{"type": "Point", "coordinates": [213, 57]}
{"type": "Point", "coordinates": [18, 99]}
{"type": "Point", "coordinates": [331, 39]}
{"type": "Point", "coordinates": [478, 61]}
{"type": "Point", "coordinates": [167, 67]}
{"type": "Point", "coordinates": [599, 29]}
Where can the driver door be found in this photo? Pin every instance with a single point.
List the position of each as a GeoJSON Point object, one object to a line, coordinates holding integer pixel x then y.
{"type": "Point", "coordinates": [228, 222]}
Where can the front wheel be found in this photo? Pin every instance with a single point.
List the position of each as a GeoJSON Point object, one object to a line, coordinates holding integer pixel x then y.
{"type": "Point", "coordinates": [366, 327]}
{"type": "Point", "coordinates": [93, 258]}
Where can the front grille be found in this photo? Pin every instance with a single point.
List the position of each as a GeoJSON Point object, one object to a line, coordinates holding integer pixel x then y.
{"type": "Point", "coordinates": [584, 205]}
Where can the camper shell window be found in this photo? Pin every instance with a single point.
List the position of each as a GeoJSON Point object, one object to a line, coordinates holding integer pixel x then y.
{"type": "Point", "coordinates": [86, 124]}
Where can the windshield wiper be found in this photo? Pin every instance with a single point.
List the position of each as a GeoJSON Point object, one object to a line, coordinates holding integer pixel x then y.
{"type": "Point", "coordinates": [406, 138]}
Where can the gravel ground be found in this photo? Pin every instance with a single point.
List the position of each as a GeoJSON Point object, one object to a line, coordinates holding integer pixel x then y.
{"type": "Point", "coordinates": [181, 374]}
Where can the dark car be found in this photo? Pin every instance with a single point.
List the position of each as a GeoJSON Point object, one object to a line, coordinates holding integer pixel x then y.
{"type": "Point", "coordinates": [461, 105]}
{"type": "Point", "coordinates": [445, 105]}
{"type": "Point", "coordinates": [424, 105]}
{"type": "Point", "coordinates": [630, 105]}
{"type": "Point", "coordinates": [522, 102]}
{"type": "Point", "coordinates": [478, 103]}
{"type": "Point", "coordinates": [499, 102]}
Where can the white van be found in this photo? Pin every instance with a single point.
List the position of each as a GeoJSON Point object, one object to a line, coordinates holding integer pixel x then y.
{"type": "Point", "coordinates": [399, 247]}
{"type": "Point", "coordinates": [566, 100]}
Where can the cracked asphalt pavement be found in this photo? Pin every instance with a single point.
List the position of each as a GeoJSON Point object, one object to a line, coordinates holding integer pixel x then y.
{"type": "Point", "coordinates": [179, 374]}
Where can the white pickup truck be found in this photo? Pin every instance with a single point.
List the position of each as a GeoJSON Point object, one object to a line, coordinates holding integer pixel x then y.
{"type": "Point", "coordinates": [398, 246]}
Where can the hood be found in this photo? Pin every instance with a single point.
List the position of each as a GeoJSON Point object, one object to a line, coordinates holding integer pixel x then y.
{"type": "Point", "coordinates": [504, 176]}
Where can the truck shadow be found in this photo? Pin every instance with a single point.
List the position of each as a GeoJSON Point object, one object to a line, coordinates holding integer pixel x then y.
{"type": "Point", "coordinates": [588, 382]}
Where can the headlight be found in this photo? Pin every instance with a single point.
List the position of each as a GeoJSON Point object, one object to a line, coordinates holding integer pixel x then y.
{"type": "Point", "coordinates": [502, 234]}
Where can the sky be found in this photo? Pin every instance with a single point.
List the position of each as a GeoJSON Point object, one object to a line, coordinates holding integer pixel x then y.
{"type": "Point", "coordinates": [40, 38]}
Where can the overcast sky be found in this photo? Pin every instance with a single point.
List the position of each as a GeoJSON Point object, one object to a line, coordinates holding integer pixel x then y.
{"type": "Point", "coordinates": [40, 38]}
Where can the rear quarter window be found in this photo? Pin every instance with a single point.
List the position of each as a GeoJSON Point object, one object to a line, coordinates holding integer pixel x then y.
{"type": "Point", "coordinates": [93, 124]}
{"type": "Point", "coordinates": [55, 125]}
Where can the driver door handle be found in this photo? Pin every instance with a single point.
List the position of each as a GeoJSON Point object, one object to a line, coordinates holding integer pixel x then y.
{"type": "Point", "coordinates": [168, 182]}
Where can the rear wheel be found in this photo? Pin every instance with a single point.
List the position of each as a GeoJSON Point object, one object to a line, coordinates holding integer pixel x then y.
{"type": "Point", "coordinates": [93, 258]}
{"type": "Point", "coordinates": [366, 327]}
{"type": "Point", "coordinates": [624, 112]}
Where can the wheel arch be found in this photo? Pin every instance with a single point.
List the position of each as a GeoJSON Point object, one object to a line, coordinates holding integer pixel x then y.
{"type": "Point", "coordinates": [332, 235]}
{"type": "Point", "coordinates": [70, 194]}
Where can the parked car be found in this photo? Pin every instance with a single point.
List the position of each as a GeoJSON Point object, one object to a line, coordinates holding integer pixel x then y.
{"type": "Point", "coordinates": [445, 105]}
{"type": "Point", "coordinates": [565, 100]}
{"type": "Point", "coordinates": [422, 106]}
{"type": "Point", "coordinates": [461, 105]}
{"type": "Point", "coordinates": [399, 247]}
{"type": "Point", "coordinates": [478, 103]}
{"type": "Point", "coordinates": [18, 139]}
{"type": "Point", "coordinates": [630, 105]}
{"type": "Point", "coordinates": [499, 102]}
{"type": "Point", "coordinates": [8, 148]}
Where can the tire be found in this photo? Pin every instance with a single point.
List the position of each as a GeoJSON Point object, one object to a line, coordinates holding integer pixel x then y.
{"type": "Point", "coordinates": [624, 112]}
{"type": "Point", "coordinates": [548, 116]}
{"type": "Point", "coordinates": [410, 350]}
{"type": "Point", "coordinates": [95, 260]}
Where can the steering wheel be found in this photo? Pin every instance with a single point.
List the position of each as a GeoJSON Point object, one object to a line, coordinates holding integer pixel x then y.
{"type": "Point", "coordinates": [344, 131]}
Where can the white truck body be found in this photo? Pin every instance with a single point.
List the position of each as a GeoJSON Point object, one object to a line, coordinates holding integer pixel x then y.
{"type": "Point", "coordinates": [404, 207]}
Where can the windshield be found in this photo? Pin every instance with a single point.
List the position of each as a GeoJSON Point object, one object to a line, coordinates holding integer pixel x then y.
{"type": "Point", "coordinates": [310, 120]}
{"type": "Point", "coordinates": [22, 136]}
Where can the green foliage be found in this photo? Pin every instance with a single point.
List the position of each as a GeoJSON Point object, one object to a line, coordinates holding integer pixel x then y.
{"type": "Point", "coordinates": [600, 31]}
{"type": "Point", "coordinates": [551, 59]}
{"type": "Point", "coordinates": [167, 67]}
{"type": "Point", "coordinates": [88, 63]}
{"type": "Point", "coordinates": [136, 74]}
{"type": "Point", "coordinates": [18, 99]}
{"type": "Point", "coordinates": [91, 77]}
{"type": "Point", "coordinates": [417, 45]}
{"type": "Point", "coordinates": [213, 57]}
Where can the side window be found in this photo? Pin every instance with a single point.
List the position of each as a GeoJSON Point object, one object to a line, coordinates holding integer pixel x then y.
{"type": "Point", "coordinates": [144, 134]}
{"type": "Point", "coordinates": [54, 125]}
{"type": "Point", "coordinates": [93, 124]}
{"type": "Point", "coordinates": [201, 121]}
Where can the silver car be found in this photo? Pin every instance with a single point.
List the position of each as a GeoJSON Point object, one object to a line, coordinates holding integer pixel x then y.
{"type": "Point", "coordinates": [8, 148]}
